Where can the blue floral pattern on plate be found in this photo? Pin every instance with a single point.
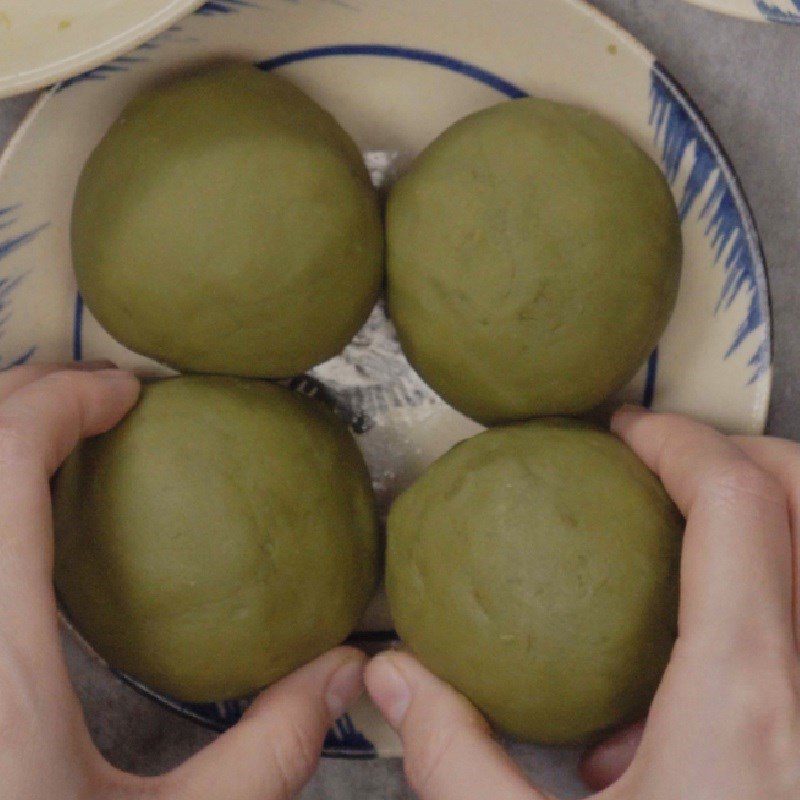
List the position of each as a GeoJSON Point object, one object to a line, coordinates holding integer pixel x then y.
{"type": "Point", "coordinates": [12, 239]}
{"type": "Point", "coordinates": [678, 127]}
{"type": "Point", "coordinates": [775, 13]}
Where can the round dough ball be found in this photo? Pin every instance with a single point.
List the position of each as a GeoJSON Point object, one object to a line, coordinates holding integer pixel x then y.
{"type": "Point", "coordinates": [227, 224]}
{"type": "Point", "coordinates": [221, 536]}
{"type": "Point", "coordinates": [535, 568]}
{"type": "Point", "coordinates": [533, 261]}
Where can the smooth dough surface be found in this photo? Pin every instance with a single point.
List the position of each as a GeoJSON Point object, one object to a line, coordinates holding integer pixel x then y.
{"type": "Point", "coordinates": [533, 257]}
{"type": "Point", "coordinates": [222, 535]}
{"type": "Point", "coordinates": [227, 224]}
{"type": "Point", "coordinates": [535, 568]}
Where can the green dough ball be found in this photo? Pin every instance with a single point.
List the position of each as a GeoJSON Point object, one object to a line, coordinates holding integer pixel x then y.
{"type": "Point", "coordinates": [227, 224]}
{"type": "Point", "coordinates": [535, 568]}
{"type": "Point", "coordinates": [533, 261]}
{"type": "Point", "coordinates": [222, 535]}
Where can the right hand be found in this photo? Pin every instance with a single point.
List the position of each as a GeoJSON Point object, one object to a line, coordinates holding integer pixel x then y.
{"type": "Point", "coordinates": [725, 723]}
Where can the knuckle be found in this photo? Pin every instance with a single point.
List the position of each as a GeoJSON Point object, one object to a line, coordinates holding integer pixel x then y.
{"type": "Point", "coordinates": [15, 729]}
{"type": "Point", "coordinates": [15, 446]}
{"type": "Point", "coordinates": [18, 728]}
{"type": "Point", "coordinates": [169, 786]}
{"type": "Point", "coordinates": [670, 428]}
{"type": "Point", "coordinates": [69, 381]}
{"type": "Point", "coordinates": [70, 387]}
{"type": "Point", "coordinates": [767, 699]}
{"type": "Point", "coordinates": [430, 749]}
{"type": "Point", "coordinates": [145, 788]}
{"type": "Point", "coordinates": [114, 783]}
{"type": "Point", "coordinates": [666, 419]}
{"type": "Point", "coordinates": [764, 651]}
{"type": "Point", "coordinates": [745, 480]}
{"type": "Point", "coordinates": [428, 755]}
{"type": "Point", "coordinates": [293, 757]}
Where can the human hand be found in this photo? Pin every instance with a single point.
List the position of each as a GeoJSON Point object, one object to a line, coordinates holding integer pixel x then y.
{"type": "Point", "coordinates": [45, 748]}
{"type": "Point", "coordinates": [724, 724]}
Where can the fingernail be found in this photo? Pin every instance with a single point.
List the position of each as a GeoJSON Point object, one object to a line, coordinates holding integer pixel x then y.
{"type": "Point", "coordinates": [345, 687]}
{"type": "Point", "coordinates": [115, 375]}
{"type": "Point", "coordinates": [92, 366]}
{"type": "Point", "coordinates": [389, 690]}
{"type": "Point", "coordinates": [631, 408]}
{"type": "Point", "coordinates": [627, 411]}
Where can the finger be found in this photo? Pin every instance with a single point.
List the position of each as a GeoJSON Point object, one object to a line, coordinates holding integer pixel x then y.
{"type": "Point", "coordinates": [606, 762]}
{"type": "Point", "coordinates": [273, 751]}
{"type": "Point", "coordinates": [736, 573]}
{"type": "Point", "coordinates": [16, 378]}
{"type": "Point", "coordinates": [448, 749]}
{"type": "Point", "coordinates": [781, 458]}
{"type": "Point", "coordinates": [39, 424]}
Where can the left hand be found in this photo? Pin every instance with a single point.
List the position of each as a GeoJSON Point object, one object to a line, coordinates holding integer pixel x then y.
{"type": "Point", "coordinates": [45, 749]}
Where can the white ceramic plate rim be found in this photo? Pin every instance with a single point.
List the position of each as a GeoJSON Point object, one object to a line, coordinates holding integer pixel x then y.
{"type": "Point", "coordinates": [88, 58]}
{"type": "Point", "coordinates": [748, 9]}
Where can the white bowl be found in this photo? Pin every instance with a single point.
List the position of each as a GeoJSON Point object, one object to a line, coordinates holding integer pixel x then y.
{"type": "Point", "coordinates": [44, 41]}
{"type": "Point", "coordinates": [396, 74]}
{"type": "Point", "coordinates": [787, 11]}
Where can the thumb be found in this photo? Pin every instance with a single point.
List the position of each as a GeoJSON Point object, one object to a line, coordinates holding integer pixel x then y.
{"type": "Point", "coordinates": [605, 763]}
{"type": "Point", "coordinates": [273, 751]}
{"type": "Point", "coordinates": [449, 751]}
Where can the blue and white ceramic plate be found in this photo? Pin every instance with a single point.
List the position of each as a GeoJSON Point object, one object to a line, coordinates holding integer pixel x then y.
{"type": "Point", "coordinates": [787, 11]}
{"type": "Point", "coordinates": [397, 74]}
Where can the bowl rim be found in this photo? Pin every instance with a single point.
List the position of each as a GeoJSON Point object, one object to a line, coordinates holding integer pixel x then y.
{"type": "Point", "coordinates": [62, 68]}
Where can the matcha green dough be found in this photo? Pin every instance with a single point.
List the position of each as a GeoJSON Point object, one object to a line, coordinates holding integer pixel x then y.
{"type": "Point", "coordinates": [533, 261]}
{"type": "Point", "coordinates": [535, 568]}
{"type": "Point", "coordinates": [227, 224]}
{"type": "Point", "coordinates": [221, 536]}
